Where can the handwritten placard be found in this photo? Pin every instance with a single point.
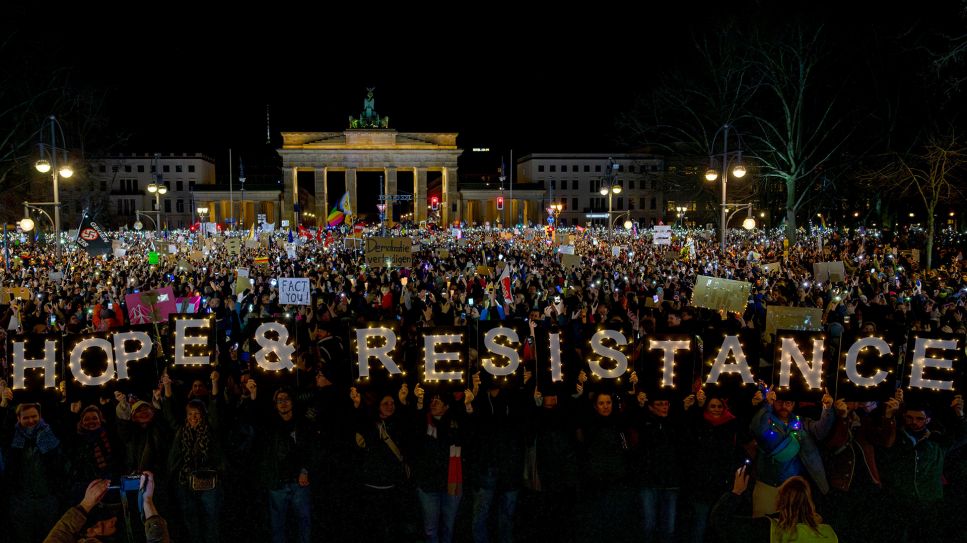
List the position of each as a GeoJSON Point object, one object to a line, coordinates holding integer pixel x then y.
{"type": "Point", "coordinates": [389, 252]}
{"type": "Point", "coordinates": [721, 294]}
{"type": "Point", "coordinates": [294, 291]}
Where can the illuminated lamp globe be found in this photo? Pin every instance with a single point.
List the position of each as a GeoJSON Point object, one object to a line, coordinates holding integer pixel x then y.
{"type": "Point", "coordinates": [604, 191]}
{"type": "Point", "coordinates": [711, 175]}
{"type": "Point", "coordinates": [749, 223]}
{"type": "Point", "coordinates": [26, 224]}
{"type": "Point", "coordinates": [42, 166]}
{"type": "Point", "coordinates": [738, 170]}
{"type": "Point", "coordinates": [628, 225]}
{"type": "Point", "coordinates": [138, 225]}
{"type": "Point", "coordinates": [163, 189]}
{"type": "Point", "coordinates": [616, 189]}
{"type": "Point", "coordinates": [66, 171]}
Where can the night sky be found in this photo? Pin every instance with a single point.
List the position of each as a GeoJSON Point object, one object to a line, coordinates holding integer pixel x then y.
{"type": "Point", "coordinates": [194, 78]}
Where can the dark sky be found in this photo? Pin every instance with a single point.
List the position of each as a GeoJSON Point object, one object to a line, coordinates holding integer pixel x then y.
{"type": "Point", "coordinates": [192, 77]}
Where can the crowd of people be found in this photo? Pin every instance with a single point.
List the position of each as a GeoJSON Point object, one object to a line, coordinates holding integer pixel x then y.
{"type": "Point", "coordinates": [235, 452]}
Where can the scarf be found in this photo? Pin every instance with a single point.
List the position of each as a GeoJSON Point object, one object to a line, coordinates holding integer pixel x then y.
{"type": "Point", "coordinates": [101, 447]}
{"type": "Point", "coordinates": [454, 462]}
{"type": "Point", "coordinates": [45, 438]}
{"type": "Point", "coordinates": [727, 416]}
{"type": "Point", "coordinates": [194, 450]}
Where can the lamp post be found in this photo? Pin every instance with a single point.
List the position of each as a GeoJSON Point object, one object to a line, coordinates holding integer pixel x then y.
{"type": "Point", "coordinates": [748, 223]}
{"type": "Point", "coordinates": [680, 213]}
{"type": "Point", "coordinates": [157, 189]}
{"type": "Point", "coordinates": [48, 162]}
{"type": "Point", "coordinates": [609, 189]}
{"type": "Point", "coordinates": [738, 170]}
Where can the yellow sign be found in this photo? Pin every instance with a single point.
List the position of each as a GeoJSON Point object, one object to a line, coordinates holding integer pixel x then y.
{"type": "Point", "coordinates": [721, 294]}
{"type": "Point", "coordinates": [234, 246]}
{"type": "Point", "coordinates": [388, 252]}
{"type": "Point", "coordinates": [792, 318]}
{"type": "Point", "coordinates": [14, 293]}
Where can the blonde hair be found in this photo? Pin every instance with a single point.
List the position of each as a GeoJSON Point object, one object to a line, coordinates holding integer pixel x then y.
{"type": "Point", "coordinates": [795, 506]}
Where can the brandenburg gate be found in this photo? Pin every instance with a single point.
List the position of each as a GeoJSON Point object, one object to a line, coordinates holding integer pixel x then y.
{"type": "Point", "coordinates": [369, 145]}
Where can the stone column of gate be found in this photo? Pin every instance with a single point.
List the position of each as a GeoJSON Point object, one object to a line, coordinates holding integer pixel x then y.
{"type": "Point", "coordinates": [419, 194]}
{"type": "Point", "coordinates": [351, 189]}
{"type": "Point", "coordinates": [389, 188]}
{"type": "Point", "coordinates": [449, 196]}
{"type": "Point", "coordinates": [322, 194]}
{"type": "Point", "coordinates": [290, 189]}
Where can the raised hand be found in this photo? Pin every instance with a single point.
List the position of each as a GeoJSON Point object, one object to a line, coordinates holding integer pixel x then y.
{"type": "Point", "coordinates": [757, 398]}
{"type": "Point", "coordinates": [892, 406]}
{"type": "Point", "coordinates": [827, 399]}
{"type": "Point", "coordinates": [958, 405]}
{"type": "Point", "coordinates": [700, 397]}
{"type": "Point", "coordinates": [642, 399]}
{"type": "Point", "coordinates": [689, 401]}
{"type": "Point", "coordinates": [355, 397]}
{"type": "Point", "coordinates": [252, 387]}
{"type": "Point", "coordinates": [94, 493]}
{"type": "Point", "coordinates": [76, 407]}
{"type": "Point", "coordinates": [404, 393]}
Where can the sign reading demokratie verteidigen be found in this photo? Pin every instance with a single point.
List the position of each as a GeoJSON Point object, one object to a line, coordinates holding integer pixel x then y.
{"type": "Point", "coordinates": [388, 252]}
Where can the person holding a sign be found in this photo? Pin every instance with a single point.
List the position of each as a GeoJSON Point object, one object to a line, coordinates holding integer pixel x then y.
{"type": "Point", "coordinates": [196, 461]}
{"type": "Point", "coordinates": [788, 446]}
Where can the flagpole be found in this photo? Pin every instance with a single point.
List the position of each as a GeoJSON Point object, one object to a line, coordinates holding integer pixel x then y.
{"type": "Point", "coordinates": [511, 177]}
{"type": "Point", "coordinates": [231, 198]}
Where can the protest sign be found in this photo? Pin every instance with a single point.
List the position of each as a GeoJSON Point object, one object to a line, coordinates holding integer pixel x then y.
{"type": "Point", "coordinates": [662, 235]}
{"type": "Point", "coordinates": [570, 260]}
{"type": "Point", "coordinates": [294, 291]}
{"type": "Point", "coordinates": [233, 246]}
{"type": "Point", "coordinates": [792, 318]}
{"type": "Point", "coordinates": [150, 306]}
{"type": "Point", "coordinates": [772, 267]}
{"type": "Point", "coordinates": [829, 271]}
{"type": "Point", "coordinates": [566, 249]}
{"type": "Point", "coordinates": [804, 365]}
{"type": "Point", "coordinates": [14, 293]}
{"type": "Point", "coordinates": [721, 294]}
{"type": "Point", "coordinates": [153, 258]}
{"type": "Point", "coordinates": [172, 248]}
{"type": "Point", "coordinates": [388, 252]}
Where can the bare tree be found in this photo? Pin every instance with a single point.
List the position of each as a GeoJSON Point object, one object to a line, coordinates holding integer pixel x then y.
{"type": "Point", "coordinates": [798, 130]}
{"type": "Point", "coordinates": [933, 175]}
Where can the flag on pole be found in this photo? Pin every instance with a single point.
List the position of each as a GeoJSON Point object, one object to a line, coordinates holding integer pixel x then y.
{"type": "Point", "coordinates": [251, 232]}
{"type": "Point", "coordinates": [91, 238]}
{"type": "Point", "coordinates": [505, 284]}
{"type": "Point", "coordinates": [291, 237]}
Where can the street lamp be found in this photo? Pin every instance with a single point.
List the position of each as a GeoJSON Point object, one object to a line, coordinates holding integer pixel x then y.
{"type": "Point", "coordinates": [157, 189]}
{"type": "Point", "coordinates": [202, 212]}
{"type": "Point", "coordinates": [610, 189]}
{"type": "Point", "coordinates": [738, 170]}
{"type": "Point", "coordinates": [680, 213]}
{"type": "Point", "coordinates": [554, 210]}
{"type": "Point", "coordinates": [48, 162]}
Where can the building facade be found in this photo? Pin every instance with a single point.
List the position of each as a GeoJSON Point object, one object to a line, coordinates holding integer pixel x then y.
{"type": "Point", "coordinates": [574, 181]}
{"type": "Point", "coordinates": [115, 189]}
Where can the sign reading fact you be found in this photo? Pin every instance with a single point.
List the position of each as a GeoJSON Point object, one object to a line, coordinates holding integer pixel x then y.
{"type": "Point", "coordinates": [294, 290]}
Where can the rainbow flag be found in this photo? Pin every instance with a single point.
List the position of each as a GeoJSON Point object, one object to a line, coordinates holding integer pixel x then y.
{"type": "Point", "coordinates": [261, 261]}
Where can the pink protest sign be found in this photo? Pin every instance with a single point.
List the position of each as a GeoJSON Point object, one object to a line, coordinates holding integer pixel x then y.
{"type": "Point", "coordinates": [188, 304]}
{"type": "Point", "coordinates": [140, 310]}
